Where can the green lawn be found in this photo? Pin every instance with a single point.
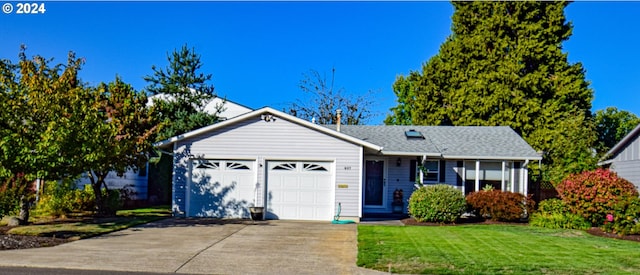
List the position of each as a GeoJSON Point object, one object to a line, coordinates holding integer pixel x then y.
{"type": "Point", "coordinates": [491, 249]}
{"type": "Point", "coordinates": [85, 227]}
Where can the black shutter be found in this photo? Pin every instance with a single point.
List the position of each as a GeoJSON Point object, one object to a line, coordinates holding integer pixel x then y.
{"type": "Point", "coordinates": [458, 176]}
{"type": "Point", "coordinates": [442, 170]}
{"type": "Point", "coordinates": [412, 170]}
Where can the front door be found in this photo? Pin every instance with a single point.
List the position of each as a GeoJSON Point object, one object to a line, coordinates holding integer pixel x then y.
{"type": "Point", "coordinates": [374, 191]}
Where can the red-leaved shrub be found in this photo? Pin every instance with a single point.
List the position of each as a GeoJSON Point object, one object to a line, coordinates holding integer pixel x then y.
{"type": "Point", "coordinates": [500, 205]}
{"type": "Point", "coordinates": [594, 194]}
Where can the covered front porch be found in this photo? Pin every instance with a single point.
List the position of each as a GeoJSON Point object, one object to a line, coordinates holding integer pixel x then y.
{"type": "Point", "coordinates": [389, 181]}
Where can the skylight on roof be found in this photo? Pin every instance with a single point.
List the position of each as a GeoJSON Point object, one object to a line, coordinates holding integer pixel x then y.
{"type": "Point", "coordinates": [413, 134]}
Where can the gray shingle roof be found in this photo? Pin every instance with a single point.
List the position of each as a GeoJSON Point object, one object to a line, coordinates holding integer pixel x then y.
{"type": "Point", "coordinates": [447, 141]}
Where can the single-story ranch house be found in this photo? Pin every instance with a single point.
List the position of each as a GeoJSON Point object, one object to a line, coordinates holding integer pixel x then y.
{"type": "Point", "coordinates": [299, 170]}
{"type": "Point", "coordinates": [624, 157]}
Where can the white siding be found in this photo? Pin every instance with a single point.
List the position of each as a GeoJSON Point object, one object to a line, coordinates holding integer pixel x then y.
{"type": "Point", "coordinates": [276, 140]}
{"type": "Point", "coordinates": [627, 163]}
{"type": "Point", "coordinates": [630, 153]}
{"type": "Point", "coordinates": [131, 180]}
{"type": "Point", "coordinates": [629, 170]}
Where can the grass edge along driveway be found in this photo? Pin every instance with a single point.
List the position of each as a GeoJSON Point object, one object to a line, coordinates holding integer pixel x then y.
{"type": "Point", "coordinates": [492, 249]}
{"type": "Point", "coordinates": [90, 227]}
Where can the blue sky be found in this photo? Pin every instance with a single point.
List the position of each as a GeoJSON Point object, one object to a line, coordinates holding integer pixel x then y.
{"type": "Point", "coordinates": [258, 52]}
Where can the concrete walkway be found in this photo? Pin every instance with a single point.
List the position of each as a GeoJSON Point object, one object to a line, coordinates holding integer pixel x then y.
{"type": "Point", "coordinates": [207, 247]}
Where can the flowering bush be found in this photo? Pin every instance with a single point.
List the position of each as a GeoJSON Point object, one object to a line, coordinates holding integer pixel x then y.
{"type": "Point", "coordinates": [552, 213]}
{"type": "Point", "coordinates": [594, 194]}
{"type": "Point", "coordinates": [500, 205]}
{"type": "Point", "coordinates": [436, 203]}
{"type": "Point", "coordinates": [624, 219]}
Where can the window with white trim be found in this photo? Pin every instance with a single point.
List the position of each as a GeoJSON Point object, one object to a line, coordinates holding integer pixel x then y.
{"type": "Point", "coordinates": [431, 171]}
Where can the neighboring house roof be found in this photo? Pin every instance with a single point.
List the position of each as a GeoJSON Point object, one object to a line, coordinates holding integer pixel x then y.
{"type": "Point", "coordinates": [620, 146]}
{"type": "Point", "coordinates": [266, 111]}
{"type": "Point", "coordinates": [230, 109]}
{"type": "Point", "coordinates": [461, 142]}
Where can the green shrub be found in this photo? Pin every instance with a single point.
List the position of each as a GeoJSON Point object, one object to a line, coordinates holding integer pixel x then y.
{"type": "Point", "coordinates": [62, 198]}
{"type": "Point", "coordinates": [594, 194]}
{"type": "Point", "coordinates": [436, 203]}
{"type": "Point", "coordinates": [113, 201]}
{"type": "Point", "coordinates": [623, 220]}
{"type": "Point", "coordinates": [559, 221]}
{"type": "Point", "coordinates": [552, 205]}
{"type": "Point", "coordinates": [83, 199]}
{"type": "Point", "coordinates": [553, 213]}
{"type": "Point", "coordinates": [500, 205]}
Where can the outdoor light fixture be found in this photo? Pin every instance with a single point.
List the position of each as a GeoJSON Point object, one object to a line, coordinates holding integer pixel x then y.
{"type": "Point", "coordinates": [268, 117]}
{"type": "Point", "coordinates": [399, 162]}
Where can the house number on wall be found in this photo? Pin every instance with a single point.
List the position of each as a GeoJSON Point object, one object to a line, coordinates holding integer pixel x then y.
{"type": "Point", "coordinates": [343, 186]}
{"type": "Point", "coordinates": [347, 168]}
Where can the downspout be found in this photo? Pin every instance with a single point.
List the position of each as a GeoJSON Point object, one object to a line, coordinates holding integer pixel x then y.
{"type": "Point", "coordinates": [422, 163]}
{"type": "Point", "coordinates": [503, 184]}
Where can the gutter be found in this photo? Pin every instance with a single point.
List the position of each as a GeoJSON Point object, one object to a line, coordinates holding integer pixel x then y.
{"type": "Point", "coordinates": [527, 159]}
{"type": "Point", "coordinates": [410, 154]}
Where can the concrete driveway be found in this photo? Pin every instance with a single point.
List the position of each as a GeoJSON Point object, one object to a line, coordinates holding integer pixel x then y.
{"type": "Point", "coordinates": [207, 246]}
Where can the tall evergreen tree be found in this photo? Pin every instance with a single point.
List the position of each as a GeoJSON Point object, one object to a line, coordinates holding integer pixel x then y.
{"type": "Point", "coordinates": [183, 93]}
{"type": "Point", "coordinates": [504, 65]}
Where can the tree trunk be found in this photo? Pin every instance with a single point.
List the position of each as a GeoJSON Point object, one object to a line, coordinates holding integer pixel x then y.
{"type": "Point", "coordinates": [24, 210]}
{"type": "Point", "coordinates": [96, 184]}
{"type": "Point", "coordinates": [97, 191]}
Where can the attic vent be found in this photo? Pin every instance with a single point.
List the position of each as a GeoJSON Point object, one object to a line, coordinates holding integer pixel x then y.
{"type": "Point", "coordinates": [413, 134]}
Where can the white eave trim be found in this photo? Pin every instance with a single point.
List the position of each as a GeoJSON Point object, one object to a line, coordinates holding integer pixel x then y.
{"type": "Point", "coordinates": [491, 157]}
{"type": "Point", "coordinates": [278, 115]}
{"type": "Point", "coordinates": [606, 162]}
{"type": "Point", "coordinates": [410, 154]}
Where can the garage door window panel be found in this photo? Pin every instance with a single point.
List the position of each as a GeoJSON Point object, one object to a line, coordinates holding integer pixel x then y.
{"type": "Point", "coordinates": [314, 167]}
{"type": "Point", "coordinates": [205, 164]}
{"type": "Point", "coordinates": [285, 167]}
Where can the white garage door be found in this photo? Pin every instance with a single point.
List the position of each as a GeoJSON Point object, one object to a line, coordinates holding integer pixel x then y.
{"type": "Point", "coordinates": [221, 188]}
{"type": "Point", "coordinates": [299, 190]}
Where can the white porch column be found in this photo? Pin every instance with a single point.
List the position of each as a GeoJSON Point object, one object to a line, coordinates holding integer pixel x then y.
{"type": "Point", "coordinates": [525, 178]}
{"type": "Point", "coordinates": [422, 163]}
{"type": "Point", "coordinates": [513, 177]}
{"type": "Point", "coordinates": [502, 175]}
{"type": "Point", "coordinates": [477, 175]}
{"type": "Point", "coordinates": [464, 177]}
